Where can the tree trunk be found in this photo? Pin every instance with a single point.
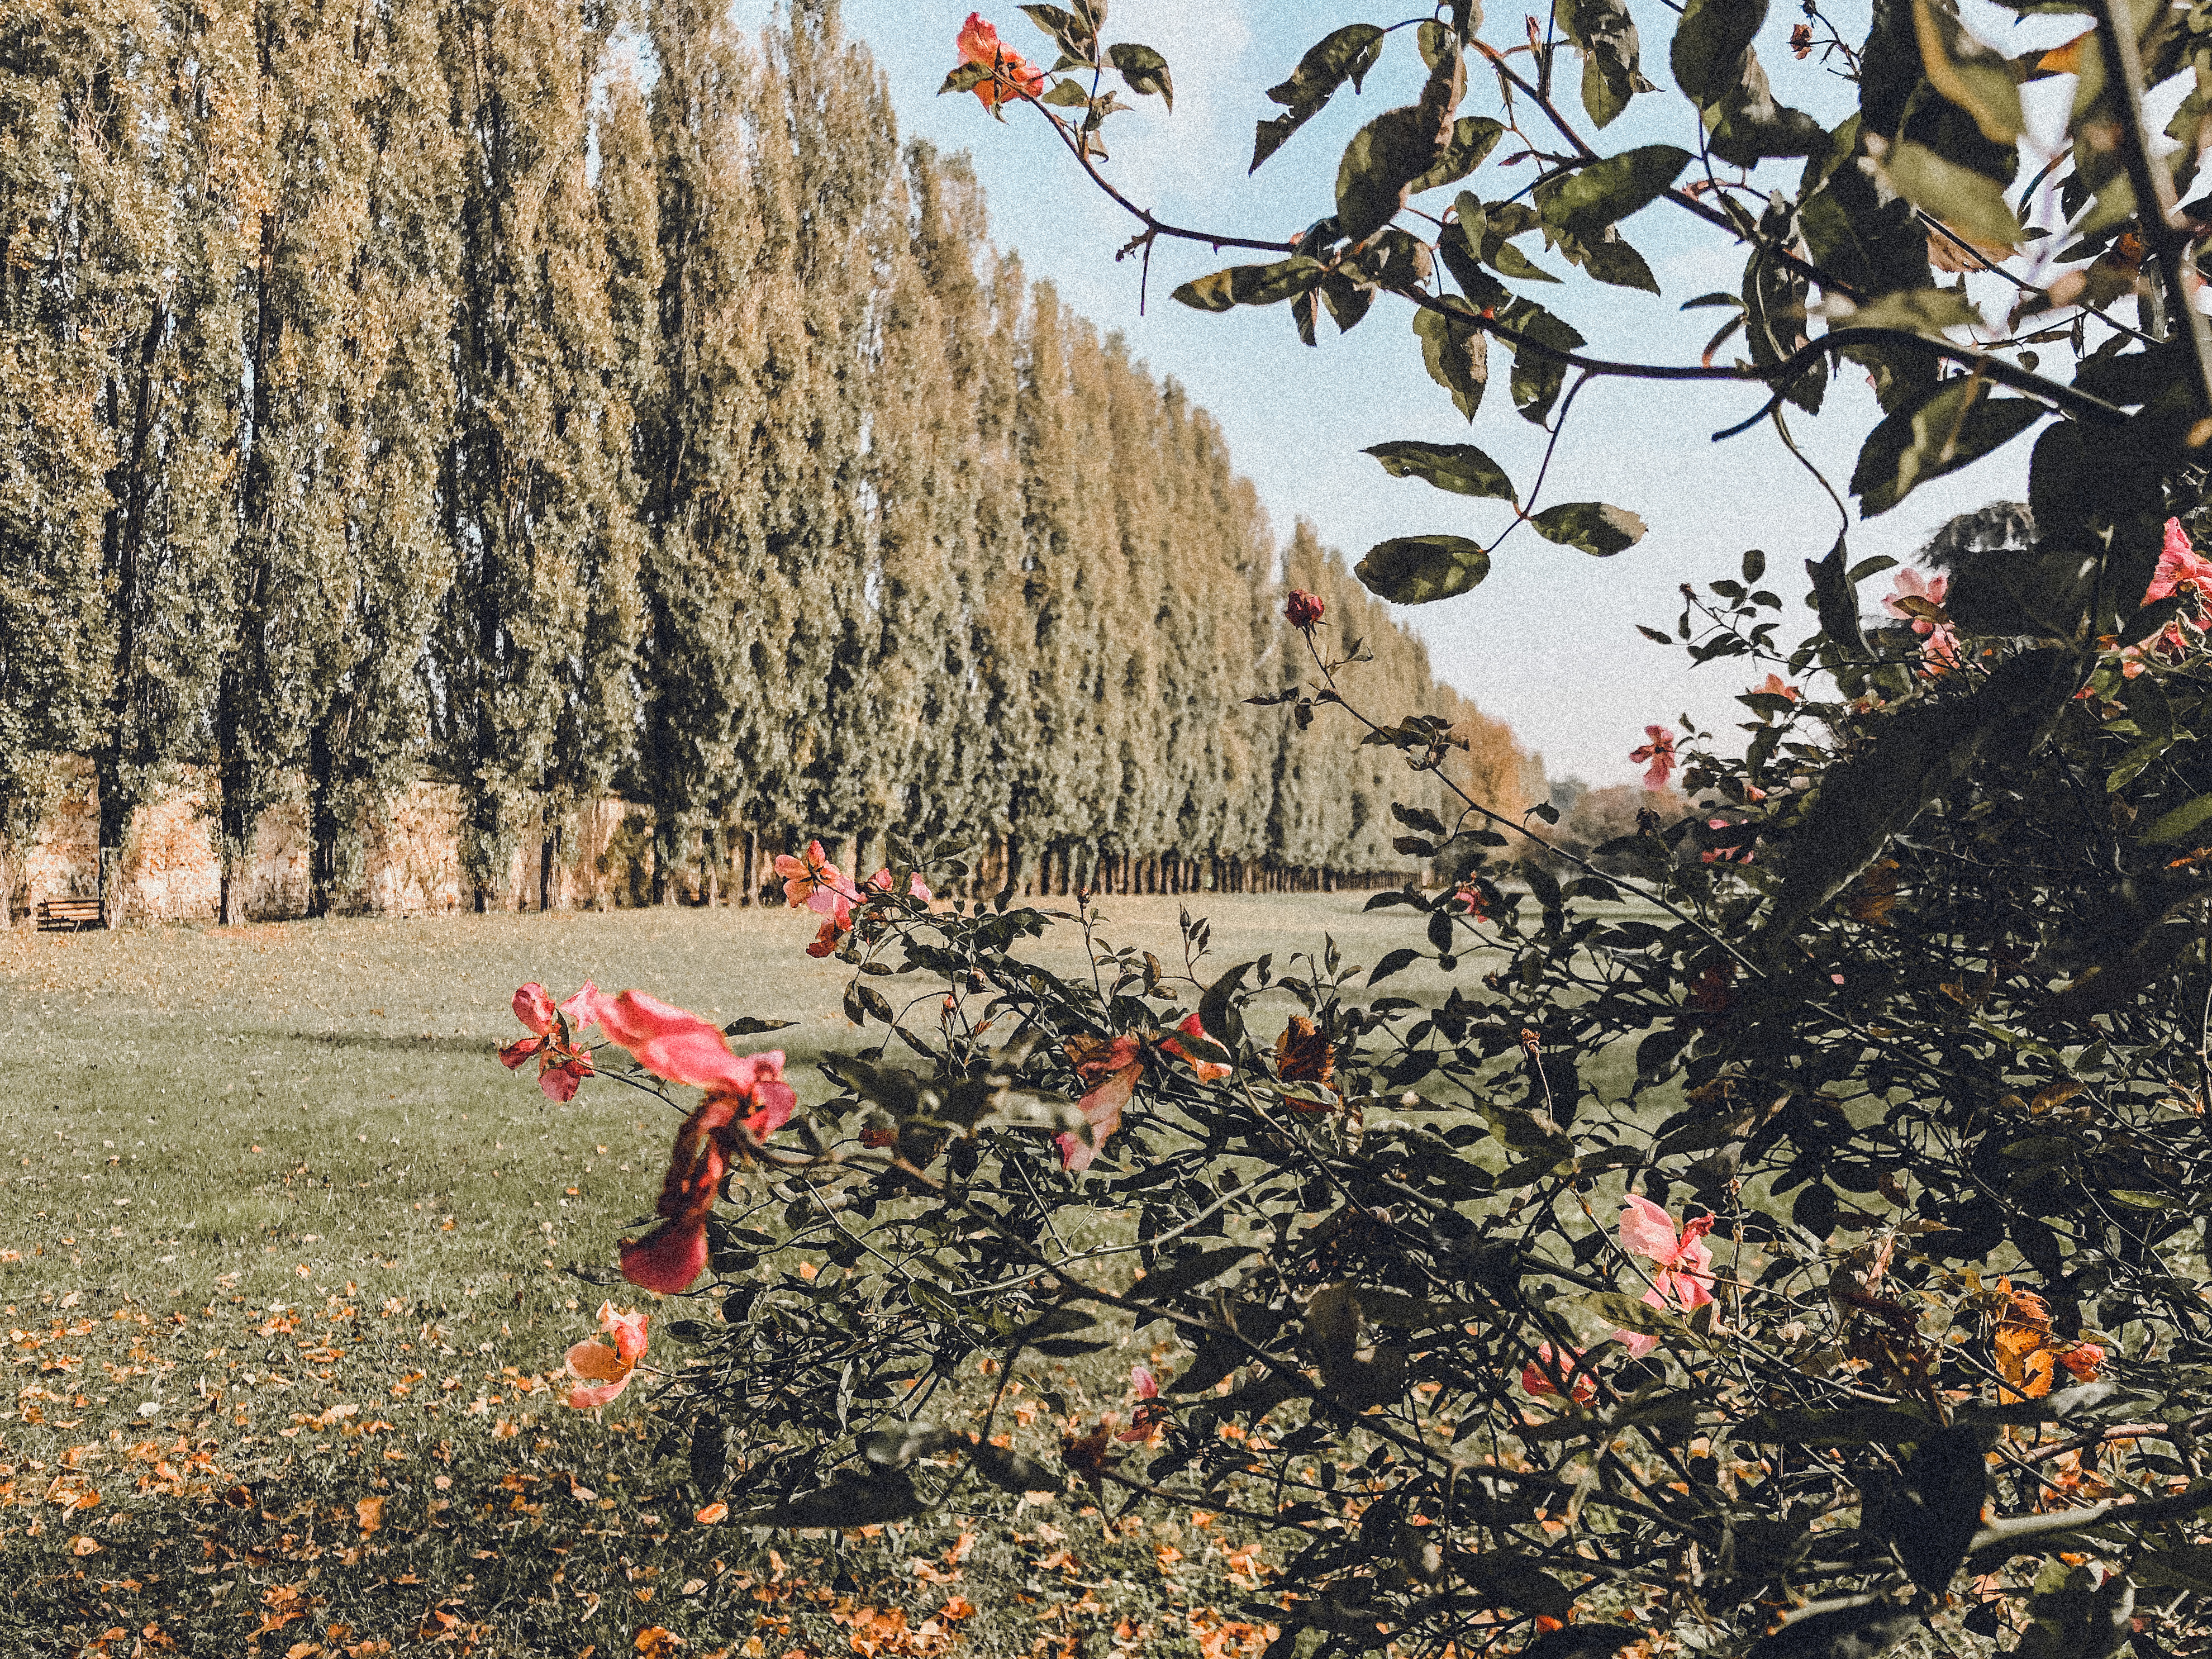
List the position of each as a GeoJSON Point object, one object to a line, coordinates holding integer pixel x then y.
{"type": "Point", "coordinates": [749, 870]}
{"type": "Point", "coordinates": [546, 845]}
{"type": "Point", "coordinates": [322, 822]}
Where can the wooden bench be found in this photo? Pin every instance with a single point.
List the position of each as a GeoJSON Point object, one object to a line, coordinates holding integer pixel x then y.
{"type": "Point", "coordinates": [69, 915]}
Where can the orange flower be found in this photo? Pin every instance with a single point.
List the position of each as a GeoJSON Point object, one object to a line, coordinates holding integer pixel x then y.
{"type": "Point", "coordinates": [1208, 1071]}
{"type": "Point", "coordinates": [606, 1371]}
{"type": "Point", "coordinates": [1303, 1055]}
{"type": "Point", "coordinates": [1012, 76]}
{"type": "Point", "coordinates": [1109, 1068]}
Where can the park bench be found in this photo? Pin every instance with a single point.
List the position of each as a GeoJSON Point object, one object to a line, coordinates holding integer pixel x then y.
{"type": "Point", "coordinates": [68, 914]}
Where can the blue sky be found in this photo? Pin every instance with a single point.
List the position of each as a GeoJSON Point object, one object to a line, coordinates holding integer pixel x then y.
{"type": "Point", "coordinates": [1548, 642]}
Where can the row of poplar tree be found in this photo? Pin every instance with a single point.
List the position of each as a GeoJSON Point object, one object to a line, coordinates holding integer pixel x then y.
{"type": "Point", "coordinates": [572, 399]}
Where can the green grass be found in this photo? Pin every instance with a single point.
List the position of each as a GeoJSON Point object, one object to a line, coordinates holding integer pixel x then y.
{"type": "Point", "coordinates": [278, 1236]}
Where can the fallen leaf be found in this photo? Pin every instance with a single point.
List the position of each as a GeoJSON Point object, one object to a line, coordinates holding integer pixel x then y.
{"type": "Point", "coordinates": [369, 1511]}
{"type": "Point", "coordinates": [80, 1544]}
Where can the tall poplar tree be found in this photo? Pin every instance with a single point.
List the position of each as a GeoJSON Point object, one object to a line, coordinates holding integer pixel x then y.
{"type": "Point", "coordinates": [61, 292]}
{"type": "Point", "coordinates": [544, 540]}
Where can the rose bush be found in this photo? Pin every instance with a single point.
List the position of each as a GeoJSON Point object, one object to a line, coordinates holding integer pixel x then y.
{"type": "Point", "coordinates": [1785, 1233]}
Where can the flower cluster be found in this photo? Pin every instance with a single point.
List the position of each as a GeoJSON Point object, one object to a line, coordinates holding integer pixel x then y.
{"type": "Point", "coordinates": [563, 1062]}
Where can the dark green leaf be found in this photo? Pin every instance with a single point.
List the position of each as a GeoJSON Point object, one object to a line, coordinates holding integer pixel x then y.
{"type": "Point", "coordinates": [1346, 55]}
{"type": "Point", "coordinates": [1747, 125]}
{"type": "Point", "coordinates": [2181, 824]}
{"type": "Point", "coordinates": [1971, 203]}
{"type": "Point", "coordinates": [1252, 285]}
{"type": "Point", "coordinates": [966, 78]}
{"type": "Point", "coordinates": [1383, 158]}
{"type": "Point", "coordinates": [1217, 1014]}
{"type": "Point", "coordinates": [850, 1502]}
{"type": "Point", "coordinates": [709, 1455]}
{"type": "Point", "coordinates": [1956, 425]}
{"type": "Point", "coordinates": [1145, 70]}
{"type": "Point", "coordinates": [1590, 525]}
{"type": "Point", "coordinates": [1419, 570]}
{"type": "Point", "coordinates": [1585, 203]}
{"type": "Point", "coordinates": [1074, 35]}
{"type": "Point", "coordinates": [1163, 1287]}
{"type": "Point", "coordinates": [1396, 961]}
{"type": "Point", "coordinates": [748, 1026]}
{"type": "Point", "coordinates": [1609, 257]}
{"type": "Point", "coordinates": [1517, 1581]}
{"type": "Point", "coordinates": [1537, 376]}
{"type": "Point", "coordinates": [1456, 354]}
{"type": "Point", "coordinates": [1461, 468]}
{"type": "Point", "coordinates": [1710, 42]}
{"type": "Point", "coordinates": [1611, 70]}
{"type": "Point", "coordinates": [1976, 79]}
{"type": "Point", "coordinates": [1837, 600]}
{"type": "Point", "coordinates": [1915, 755]}
{"type": "Point", "coordinates": [1852, 1627]}
{"type": "Point", "coordinates": [1474, 137]}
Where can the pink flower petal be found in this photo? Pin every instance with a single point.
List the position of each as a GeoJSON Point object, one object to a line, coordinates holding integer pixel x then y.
{"type": "Point", "coordinates": [595, 1362]}
{"type": "Point", "coordinates": [669, 1258]}
{"type": "Point", "coordinates": [585, 1398]}
{"type": "Point", "coordinates": [1646, 1230]}
{"type": "Point", "coordinates": [520, 1049]}
{"type": "Point", "coordinates": [1101, 1110]}
{"type": "Point", "coordinates": [533, 1006]}
{"type": "Point", "coordinates": [672, 1044]}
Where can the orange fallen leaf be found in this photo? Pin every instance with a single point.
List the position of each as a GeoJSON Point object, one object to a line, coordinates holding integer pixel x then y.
{"type": "Point", "coordinates": [714, 1515]}
{"type": "Point", "coordinates": [80, 1544]}
{"type": "Point", "coordinates": [655, 1642]}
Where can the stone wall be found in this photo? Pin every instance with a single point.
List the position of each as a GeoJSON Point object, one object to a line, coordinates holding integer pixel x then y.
{"type": "Point", "coordinates": [411, 857]}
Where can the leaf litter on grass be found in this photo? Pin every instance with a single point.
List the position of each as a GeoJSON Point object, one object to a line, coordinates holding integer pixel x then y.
{"type": "Point", "coordinates": [291, 1395]}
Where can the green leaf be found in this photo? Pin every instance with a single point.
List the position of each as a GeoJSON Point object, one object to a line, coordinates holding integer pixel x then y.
{"type": "Point", "coordinates": [1346, 55]}
{"type": "Point", "coordinates": [851, 1501]}
{"type": "Point", "coordinates": [1631, 1314]}
{"type": "Point", "coordinates": [1973, 203]}
{"type": "Point", "coordinates": [1074, 36]}
{"type": "Point", "coordinates": [1456, 354]}
{"type": "Point", "coordinates": [1218, 1015]}
{"type": "Point", "coordinates": [1009, 1471]}
{"type": "Point", "coordinates": [1067, 94]}
{"type": "Point", "coordinates": [1966, 72]}
{"type": "Point", "coordinates": [2182, 824]}
{"type": "Point", "coordinates": [1710, 42]}
{"type": "Point", "coordinates": [1189, 1275]}
{"type": "Point", "coordinates": [1144, 70]}
{"type": "Point", "coordinates": [2072, 1616]}
{"type": "Point", "coordinates": [1836, 600]}
{"type": "Point", "coordinates": [1537, 377]}
{"type": "Point", "coordinates": [1461, 258]}
{"type": "Point", "coordinates": [1611, 70]}
{"type": "Point", "coordinates": [1610, 259]}
{"type": "Point", "coordinates": [1474, 137]}
{"type": "Point", "coordinates": [1503, 1578]}
{"type": "Point", "coordinates": [1396, 962]}
{"type": "Point", "coordinates": [748, 1026]}
{"type": "Point", "coordinates": [1383, 158]}
{"type": "Point", "coordinates": [1920, 310]}
{"type": "Point", "coordinates": [1252, 285]}
{"type": "Point", "coordinates": [1585, 203]}
{"type": "Point", "coordinates": [1590, 525]}
{"type": "Point", "coordinates": [966, 78]}
{"type": "Point", "coordinates": [1956, 426]}
{"type": "Point", "coordinates": [1932, 1515]}
{"type": "Point", "coordinates": [1915, 755]}
{"type": "Point", "coordinates": [1420, 569]}
{"type": "Point", "coordinates": [1461, 468]}
{"type": "Point", "coordinates": [1845, 1627]}
{"type": "Point", "coordinates": [1747, 125]}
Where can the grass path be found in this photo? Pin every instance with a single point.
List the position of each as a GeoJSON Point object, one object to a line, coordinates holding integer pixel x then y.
{"type": "Point", "coordinates": [282, 1254]}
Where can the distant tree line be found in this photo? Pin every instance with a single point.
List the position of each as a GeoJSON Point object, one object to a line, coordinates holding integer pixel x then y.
{"type": "Point", "coordinates": [563, 400]}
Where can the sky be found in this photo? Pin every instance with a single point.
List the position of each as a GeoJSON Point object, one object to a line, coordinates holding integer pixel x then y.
{"type": "Point", "coordinates": [1548, 642]}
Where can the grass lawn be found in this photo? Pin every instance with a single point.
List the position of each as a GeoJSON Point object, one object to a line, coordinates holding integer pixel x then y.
{"type": "Point", "coordinates": [282, 1254]}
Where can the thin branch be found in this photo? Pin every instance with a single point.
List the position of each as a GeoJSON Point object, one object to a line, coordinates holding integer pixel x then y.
{"type": "Point", "coordinates": [2154, 188]}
